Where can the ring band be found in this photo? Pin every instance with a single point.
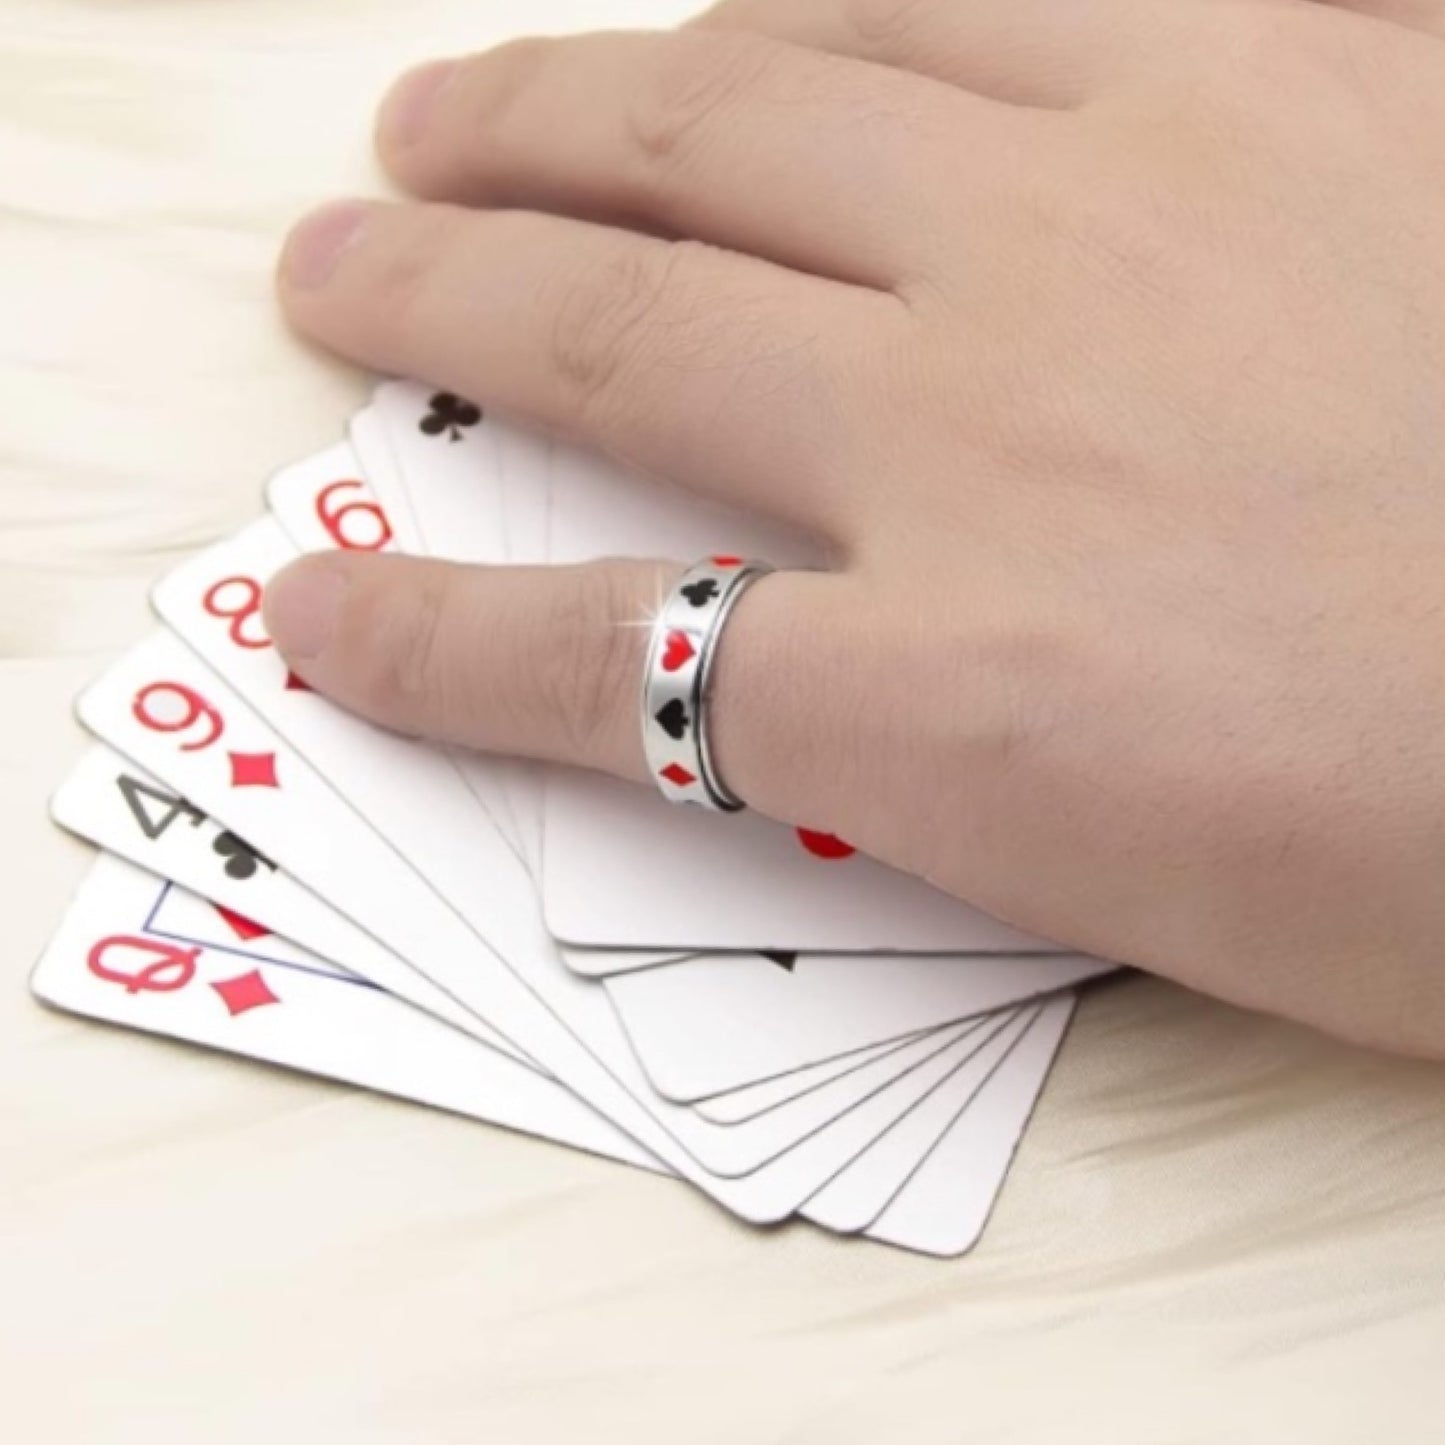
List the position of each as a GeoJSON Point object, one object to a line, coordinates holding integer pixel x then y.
{"type": "Point", "coordinates": [675, 681]}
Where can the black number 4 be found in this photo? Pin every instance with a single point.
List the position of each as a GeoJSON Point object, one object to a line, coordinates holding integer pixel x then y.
{"type": "Point", "coordinates": [153, 809]}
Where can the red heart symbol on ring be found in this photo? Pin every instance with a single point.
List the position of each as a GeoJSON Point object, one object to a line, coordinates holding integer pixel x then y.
{"type": "Point", "coordinates": [678, 653]}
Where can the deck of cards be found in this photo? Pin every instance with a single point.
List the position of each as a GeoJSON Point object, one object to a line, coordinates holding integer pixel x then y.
{"type": "Point", "coordinates": [761, 1011]}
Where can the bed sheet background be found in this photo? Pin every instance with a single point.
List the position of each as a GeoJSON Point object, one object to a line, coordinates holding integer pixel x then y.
{"type": "Point", "coordinates": [1218, 1228]}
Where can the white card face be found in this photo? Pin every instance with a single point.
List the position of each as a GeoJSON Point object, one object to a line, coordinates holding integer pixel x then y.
{"type": "Point", "coordinates": [525, 462]}
{"type": "Point", "coordinates": [118, 956]}
{"type": "Point", "coordinates": [112, 802]}
{"type": "Point", "coordinates": [382, 473]}
{"type": "Point", "coordinates": [606, 962]}
{"type": "Point", "coordinates": [453, 468]}
{"type": "Point", "coordinates": [451, 487]}
{"type": "Point", "coordinates": [852, 1200]}
{"type": "Point", "coordinates": [624, 869]}
{"type": "Point", "coordinates": [323, 504]}
{"type": "Point", "coordinates": [754, 1099]}
{"type": "Point", "coordinates": [943, 1207]}
{"type": "Point", "coordinates": [166, 710]}
{"type": "Point", "coordinates": [713, 1023]}
{"type": "Point", "coordinates": [104, 964]}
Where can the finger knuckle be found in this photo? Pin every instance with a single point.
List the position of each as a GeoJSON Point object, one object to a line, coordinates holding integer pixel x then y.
{"type": "Point", "coordinates": [888, 26]}
{"type": "Point", "coordinates": [402, 291]}
{"type": "Point", "coordinates": [591, 662]}
{"type": "Point", "coordinates": [604, 316]}
{"type": "Point", "coordinates": [496, 81]}
{"type": "Point", "coordinates": [408, 681]}
{"type": "Point", "coordinates": [699, 78]}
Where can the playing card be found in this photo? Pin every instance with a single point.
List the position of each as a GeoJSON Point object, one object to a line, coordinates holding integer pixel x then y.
{"type": "Point", "coordinates": [447, 442]}
{"type": "Point", "coordinates": [624, 869]}
{"type": "Point", "coordinates": [326, 502]}
{"type": "Point", "coordinates": [109, 962]}
{"type": "Point", "coordinates": [168, 712]}
{"type": "Point", "coordinates": [322, 504]}
{"type": "Point", "coordinates": [942, 1210]}
{"type": "Point", "coordinates": [116, 958]}
{"type": "Point", "coordinates": [849, 1205]}
{"type": "Point", "coordinates": [114, 803]}
{"type": "Point", "coordinates": [378, 466]}
{"type": "Point", "coordinates": [751, 1100]}
{"type": "Point", "coordinates": [448, 480]}
{"type": "Point", "coordinates": [111, 802]}
{"type": "Point", "coordinates": [602, 963]}
{"type": "Point", "coordinates": [524, 463]}
{"type": "Point", "coordinates": [718, 1022]}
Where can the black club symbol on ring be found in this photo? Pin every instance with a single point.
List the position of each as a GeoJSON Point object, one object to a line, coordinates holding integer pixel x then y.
{"type": "Point", "coordinates": [448, 415]}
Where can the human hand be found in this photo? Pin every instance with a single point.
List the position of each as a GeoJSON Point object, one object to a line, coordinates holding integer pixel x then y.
{"type": "Point", "coordinates": [1103, 344]}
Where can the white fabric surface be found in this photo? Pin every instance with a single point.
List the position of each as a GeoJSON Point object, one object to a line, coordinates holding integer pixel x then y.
{"type": "Point", "coordinates": [1219, 1228]}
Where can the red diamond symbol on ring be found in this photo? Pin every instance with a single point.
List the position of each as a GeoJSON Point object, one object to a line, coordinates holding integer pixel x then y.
{"type": "Point", "coordinates": [245, 992]}
{"type": "Point", "coordinates": [253, 770]}
{"type": "Point", "coordinates": [678, 775]}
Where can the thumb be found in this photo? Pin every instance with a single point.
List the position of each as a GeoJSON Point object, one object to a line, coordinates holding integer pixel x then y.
{"type": "Point", "coordinates": [547, 662]}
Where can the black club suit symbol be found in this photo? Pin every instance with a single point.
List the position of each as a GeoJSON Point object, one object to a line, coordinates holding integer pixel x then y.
{"type": "Point", "coordinates": [449, 415]}
{"type": "Point", "coordinates": [242, 860]}
{"type": "Point", "coordinates": [699, 594]}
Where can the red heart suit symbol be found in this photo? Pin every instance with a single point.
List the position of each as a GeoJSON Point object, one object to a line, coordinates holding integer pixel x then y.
{"type": "Point", "coordinates": [678, 653]}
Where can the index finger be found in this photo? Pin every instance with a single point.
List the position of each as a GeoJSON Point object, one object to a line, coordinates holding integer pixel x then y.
{"type": "Point", "coordinates": [719, 371]}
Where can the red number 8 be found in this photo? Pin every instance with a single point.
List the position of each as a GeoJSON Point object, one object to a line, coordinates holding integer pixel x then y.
{"type": "Point", "coordinates": [334, 519]}
{"type": "Point", "coordinates": [238, 616]}
{"type": "Point", "coordinates": [196, 707]}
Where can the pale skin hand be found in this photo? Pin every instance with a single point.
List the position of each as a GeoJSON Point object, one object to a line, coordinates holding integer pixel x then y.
{"type": "Point", "coordinates": [1104, 343]}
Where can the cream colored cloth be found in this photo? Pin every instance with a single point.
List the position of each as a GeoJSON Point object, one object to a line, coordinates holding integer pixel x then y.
{"type": "Point", "coordinates": [1219, 1228]}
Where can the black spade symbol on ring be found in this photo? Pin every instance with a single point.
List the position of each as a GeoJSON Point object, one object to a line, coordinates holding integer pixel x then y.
{"type": "Point", "coordinates": [673, 720]}
{"type": "Point", "coordinates": [447, 416]}
{"type": "Point", "coordinates": [699, 594]}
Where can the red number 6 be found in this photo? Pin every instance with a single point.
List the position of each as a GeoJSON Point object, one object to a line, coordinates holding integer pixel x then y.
{"type": "Point", "coordinates": [195, 707]}
{"type": "Point", "coordinates": [334, 519]}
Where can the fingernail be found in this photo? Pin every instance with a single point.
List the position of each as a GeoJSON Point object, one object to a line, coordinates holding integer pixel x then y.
{"type": "Point", "coordinates": [407, 110]}
{"type": "Point", "coordinates": [303, 603]}
{"type": "Point", "coordinates": [317, 243]}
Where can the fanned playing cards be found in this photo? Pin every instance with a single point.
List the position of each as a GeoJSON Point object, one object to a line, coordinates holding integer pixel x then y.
{"type": "Point", "coordinates": [809, 1034]}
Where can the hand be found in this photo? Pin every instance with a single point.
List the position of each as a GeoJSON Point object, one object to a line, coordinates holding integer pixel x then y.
{"type": "Point", "coordinates": [1104, 344]}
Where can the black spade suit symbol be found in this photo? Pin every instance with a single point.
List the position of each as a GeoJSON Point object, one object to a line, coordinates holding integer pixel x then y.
{"type": "Point", "coordinates": [673, 720]}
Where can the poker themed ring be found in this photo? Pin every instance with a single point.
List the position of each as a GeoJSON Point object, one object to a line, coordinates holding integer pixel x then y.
{"type": "Point", "coordinates": [676, 679]}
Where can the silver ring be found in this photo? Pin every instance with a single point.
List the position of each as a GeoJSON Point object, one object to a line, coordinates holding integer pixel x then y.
{"type": "Point", "coordinates": [676, 679]}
